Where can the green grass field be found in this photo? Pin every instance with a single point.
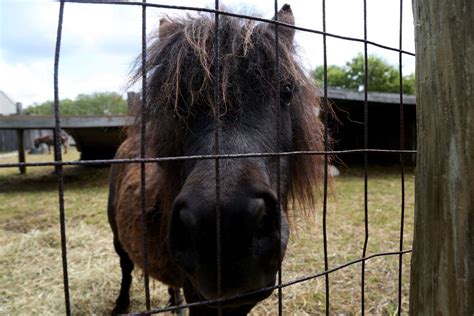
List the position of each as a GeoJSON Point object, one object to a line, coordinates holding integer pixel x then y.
{"type": "Point", "coordinates": [30, 258]}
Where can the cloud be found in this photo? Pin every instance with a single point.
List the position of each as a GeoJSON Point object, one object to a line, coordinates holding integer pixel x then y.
{"type": "Point", "coordinates": [100, 42]}
{"type": "Point", "coordinates": [98, 45]}
{"type": "Point", "coordinates": [27, 83]}
{"type": "Point", "coordinates": [26, 32]}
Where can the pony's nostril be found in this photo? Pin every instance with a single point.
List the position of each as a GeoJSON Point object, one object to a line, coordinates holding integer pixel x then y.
{"type": "Point", "coordinates": [265, 212]}
{"type": "Point", "coordinates": [181, 239]}
{"type": "Point", "coordinates": [257, 209]}
{"type": "Point", "coordinates": [187, 219]}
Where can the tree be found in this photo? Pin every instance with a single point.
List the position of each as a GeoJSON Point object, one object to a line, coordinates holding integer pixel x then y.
{"type": "Point", "coordinates": [382, 77]}
{"type": "Point", "coordinates": [105, 103]}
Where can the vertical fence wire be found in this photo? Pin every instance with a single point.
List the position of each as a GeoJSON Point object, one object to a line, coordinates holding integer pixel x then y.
{"type": "Point", "coordinates": [58, 157]}
{"type": "Point", "coordinates": [277, 103]}
{"type": "Point", "coordinates": [366, 160]}
{"type": "Point", "coordinates": [326, 147]}
{"type": "Point", "coordinates": [217, 130]}
{"type": "Point", "coordinates": [402, 165]}
{"type": "Point", "coordinates": [146, 279]}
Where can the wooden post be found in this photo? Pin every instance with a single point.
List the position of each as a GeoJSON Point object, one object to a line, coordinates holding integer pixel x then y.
{"type": "Point", "coordinates": [442, 273]}
{"type": "Point", "coordinates": [21, 149]}
{"type": "Point", "coordinates": [133, 101]}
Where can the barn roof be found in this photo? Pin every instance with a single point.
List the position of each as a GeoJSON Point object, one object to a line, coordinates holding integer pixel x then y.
{"type": "Point", "coordinates": [374, 97]}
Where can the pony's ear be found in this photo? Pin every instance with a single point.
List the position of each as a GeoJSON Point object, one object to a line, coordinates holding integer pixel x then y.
{"type": "Point", "coordinates": [285, 15]}
{"type": "Point", "coordinates": [165, 28]}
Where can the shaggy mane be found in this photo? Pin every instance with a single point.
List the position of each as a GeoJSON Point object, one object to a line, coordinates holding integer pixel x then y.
{"type": "Point", "coordinates": [180, 78]}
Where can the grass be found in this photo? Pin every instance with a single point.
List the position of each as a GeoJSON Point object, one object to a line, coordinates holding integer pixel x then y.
{"type": "Point", "coordinates": [30, 258]}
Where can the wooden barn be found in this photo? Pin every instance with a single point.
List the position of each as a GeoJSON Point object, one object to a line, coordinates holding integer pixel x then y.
{"type": "Point", "coordinates": [347, 129]}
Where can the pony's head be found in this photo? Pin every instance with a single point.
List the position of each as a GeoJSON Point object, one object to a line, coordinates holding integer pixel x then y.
{"type": "Point", "coordinates": [259, 95]}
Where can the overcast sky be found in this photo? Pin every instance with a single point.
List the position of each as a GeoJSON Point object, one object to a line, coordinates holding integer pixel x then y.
{"type": "Point", "coordinates": [100, 42]}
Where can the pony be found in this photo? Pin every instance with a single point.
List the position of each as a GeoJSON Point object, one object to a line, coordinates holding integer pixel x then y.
{"type": "Point", "coordinates": [48, 140]}
{"type": "Point", "coordinates": [181, 116]}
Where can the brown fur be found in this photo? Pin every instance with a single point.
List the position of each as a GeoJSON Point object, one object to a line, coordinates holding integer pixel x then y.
{"type": "Point", "coordinates": [129, 217]}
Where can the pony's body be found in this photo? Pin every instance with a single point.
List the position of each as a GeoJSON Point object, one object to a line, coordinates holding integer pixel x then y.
{"type": "Point", "coordinates": [126, 211]}
{"type": "Point", "coordinates": [48, 140]}
{"type": "Point", "coordinates": [182, 211]}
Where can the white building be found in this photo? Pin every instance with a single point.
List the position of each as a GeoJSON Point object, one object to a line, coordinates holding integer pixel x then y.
{"type": "Point", "coordinates": [7, 106]}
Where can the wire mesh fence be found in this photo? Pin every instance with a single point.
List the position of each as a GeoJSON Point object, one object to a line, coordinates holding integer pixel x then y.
{"type": "Point", "coordinates": [218, 157]}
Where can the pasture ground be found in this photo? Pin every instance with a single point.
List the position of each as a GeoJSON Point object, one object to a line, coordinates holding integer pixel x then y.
{"type": "Point", "coordinates": [30, 258]}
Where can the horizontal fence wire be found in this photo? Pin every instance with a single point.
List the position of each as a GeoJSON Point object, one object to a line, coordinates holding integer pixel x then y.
{"type": "Point", "coordinates": [201, 157]}
{"type": "Point", "coordinates": [243, 16]}
{"type": "Point", "coordinates": [295, 281]}
{"type": "Point", "coordinates": [59, 163]}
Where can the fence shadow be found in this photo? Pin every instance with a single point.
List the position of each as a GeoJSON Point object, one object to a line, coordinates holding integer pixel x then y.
{"type": "Point", "coordinates": [75, 177]}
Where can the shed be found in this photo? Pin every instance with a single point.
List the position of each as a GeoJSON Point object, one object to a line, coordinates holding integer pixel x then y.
{"type": "Point", "coordinates": [347, 128]}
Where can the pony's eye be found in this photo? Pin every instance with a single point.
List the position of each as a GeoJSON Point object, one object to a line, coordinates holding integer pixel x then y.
{"type": "Point", "coordinates": [287, 93]}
